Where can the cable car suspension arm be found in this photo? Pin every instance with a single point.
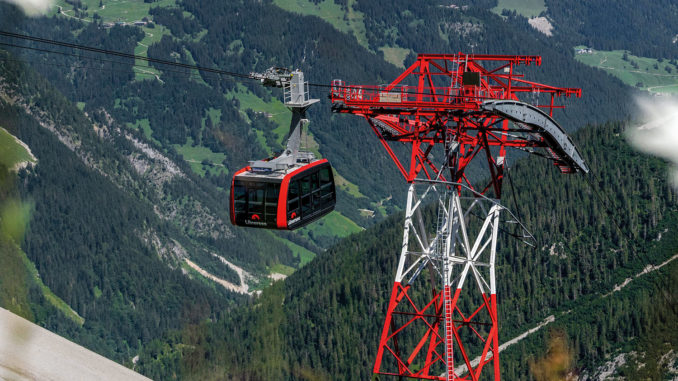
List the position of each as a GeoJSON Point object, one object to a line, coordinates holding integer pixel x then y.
{"type": "Point", "coordinates": [296, 98]}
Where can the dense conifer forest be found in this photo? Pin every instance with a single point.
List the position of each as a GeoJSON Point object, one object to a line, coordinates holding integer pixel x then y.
{"type": "Point", "coordinates": [116, 208]}
{"type": "Point", "coordinates": [642, 27]}
{"type": "Point", "coordinates": [324, 321]}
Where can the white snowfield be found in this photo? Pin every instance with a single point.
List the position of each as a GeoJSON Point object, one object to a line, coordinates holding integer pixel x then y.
{"type": "Point", "coordinates": [30, 352]}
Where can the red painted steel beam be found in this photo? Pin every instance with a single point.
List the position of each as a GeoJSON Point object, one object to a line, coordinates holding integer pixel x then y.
{"type": "Point", "coordinates": [427, 102]}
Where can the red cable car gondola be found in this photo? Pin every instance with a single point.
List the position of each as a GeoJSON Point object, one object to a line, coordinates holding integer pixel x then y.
{"type": "Point", "coordinates": [282, 200]}
{"type": "Point", "coordinates": [293, 189]}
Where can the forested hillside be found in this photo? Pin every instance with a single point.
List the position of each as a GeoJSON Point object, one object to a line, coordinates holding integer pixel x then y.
{"type": "Point", "coordinates": [134, 165]}
{"type": "Point", "coordinates": [323, 322]}
{"type": "Point", "coordinates": [203, 111]}
{"type": "Point", "coordinates": [206, 125]}
{"type": "Point", "coordinates": [124, 277]}
{"type": "Point", "coordinates": [643, 27]}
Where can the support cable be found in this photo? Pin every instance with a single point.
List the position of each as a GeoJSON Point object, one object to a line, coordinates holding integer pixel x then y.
{"type": "Point", "coordinates": [204, 69]}
{"type": "Point", "coordinates": [176, 72]}
{"type": "Point", "coordinates": [241, 76]}
{"type": "Point", "coordinates": [121, 54]}
{"type": "Point", "coordinates": [513, 193]}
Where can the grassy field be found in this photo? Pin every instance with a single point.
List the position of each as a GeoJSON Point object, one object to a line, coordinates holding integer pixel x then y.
{"type": "Point", "coordinates": [17, 272]}
{"type": "Point", "coordinates": [395, 56]}
{"type": "Point", "coordinates": [279, 113]}
{"type": "Point", "coordinates": [379, 206]}
{"type": "Point", "coordinates": [282, 269]}
{"type": "Point", "coordinates": [11, 152]}
{"type": "Point", "coordinates": [300, 252]}
{"type": "Point", "coordinates": [145, 126]}
{"type": "Point", "coordinates": [214, 114]}
{"type": "Point", "coordinates": [527, 8]}
{"type": "Point", "coordinates": [349, 21]}
{"type": "Point", "coordinates": [49, 295]}
{"type": "Point", "coordinates": [153, 35]}
{"type": "Point", "coordinates": [334, 224]}
{"type": "Point", "coordinates": [14, 278]}
{"type": "Point", "coordinates": [112, 10]}
{"type": "Point", "coordinates": [347, 186]}
{"type": "Point", "coordinates": [196, 74]}
{"type": "Point", "coordinates": [127, 11]}
{"type": "Point", "coordinates": [642, 72]}
{"type": "Point", "coordinates": [195, 156]}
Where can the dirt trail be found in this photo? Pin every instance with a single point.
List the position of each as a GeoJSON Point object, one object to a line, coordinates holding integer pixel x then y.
{"type": "Point", "coordinates": [244, 275]}
{"type": "Point", "coordinates": [653, 88]}
{"type": "Point", "coordinates": [550, 319]}
{"type": "Point", "coordinates": [63, 12]}
{"type": "Point", "coordinates": [152, 73]}
{"type": "Point", "coordinates": [241, 289]}
{"type": "Point", "coordinates": [648, 269]}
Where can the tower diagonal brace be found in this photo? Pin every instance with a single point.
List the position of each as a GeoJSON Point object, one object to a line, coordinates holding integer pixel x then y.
{"type": "Point", "coordinates": [430, 332]}
{"type": "Point", "coordinates": [441, 321]}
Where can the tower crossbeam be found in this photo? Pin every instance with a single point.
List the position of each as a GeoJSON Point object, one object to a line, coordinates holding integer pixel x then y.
{"type": "Point", "coordinates": [450, 110]}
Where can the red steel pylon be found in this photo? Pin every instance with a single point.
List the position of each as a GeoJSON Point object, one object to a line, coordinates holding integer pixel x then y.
{"type": "Point", "coordinates": [463, 109]}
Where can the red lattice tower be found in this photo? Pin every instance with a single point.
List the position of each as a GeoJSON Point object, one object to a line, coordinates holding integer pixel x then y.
{"type": "Point", "coordinates": [464, 109]}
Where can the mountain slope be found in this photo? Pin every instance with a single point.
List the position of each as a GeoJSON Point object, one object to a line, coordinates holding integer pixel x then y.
{"type": "Point", "coordinates": [323, 321]}
{"type": "Point", "coordinates": [124, 277]}
{"type": "Point", "coordinates": [120, 185]}
{"type": "Point", "coordinates": [642, 27]}
{"type": "Point", "coordinates": [245, 44]}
